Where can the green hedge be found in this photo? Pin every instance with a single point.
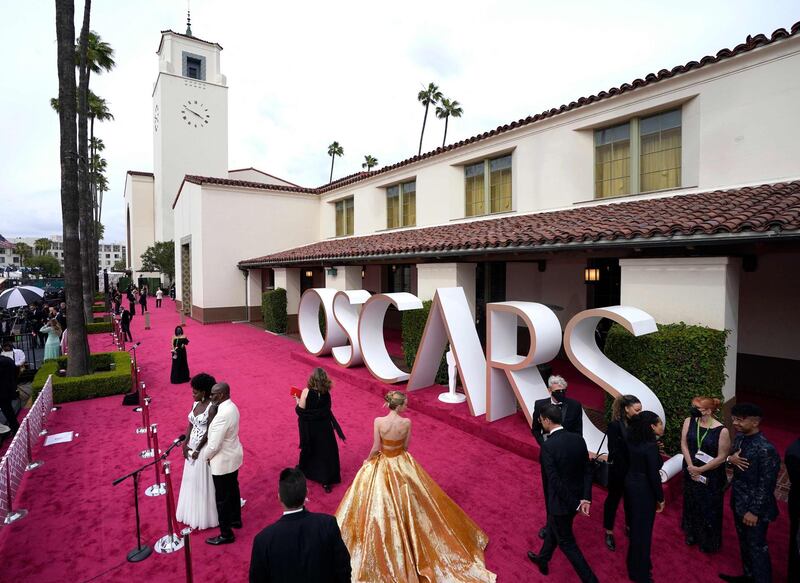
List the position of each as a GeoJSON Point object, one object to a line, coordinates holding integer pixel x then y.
{"type": "Point", "coordinates": [273, 310]}
{"type": "Point", "coordinates": [678, 363]}
{"type": "Point", "coordinates": [98, 309]}
{"type": "Point", "coordinates": [412, 328]}
{"type": "Point", "coordinates": [98, 319]}
{"type": "Point", "coordinates": [102, 382]}
{"type": "Point", "coordinates": [98, 327]}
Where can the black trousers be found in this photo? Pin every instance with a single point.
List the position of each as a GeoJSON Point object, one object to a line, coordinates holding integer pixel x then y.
{"type": "Point", "coordinates": [229, 507]}
{"type": "Point", "coordinates": [158, 303]}
{"type": "Point", "coordinates": [641, 504]}
{"type": "Point", "coordinates": [754, 550]}
{"type": "Point", "coordinates": [132, 308]}
{"type": "Point", "coordinates": [126, 333]}
{"type": "Point", "coordinates": [616, 490]}
{"type": "Point", "coordinates": [794, 551]}
{"type": "Point", "coordinates": [8, 412]}
{"type": "Point", "coordinates": [559, 534]}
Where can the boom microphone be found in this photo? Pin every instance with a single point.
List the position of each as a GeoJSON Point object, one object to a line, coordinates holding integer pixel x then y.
{"type": "Point", "coordinates": [175, 444]}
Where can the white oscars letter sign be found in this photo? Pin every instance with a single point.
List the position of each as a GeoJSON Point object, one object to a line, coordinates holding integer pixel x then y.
{"type": "Point", "coordinates": [450, 319]}
{"type": "Point", "coordinates": [511, 377]}
{"type": "Point", "coordinates": [308, 322]}
{"type": "Point", "coordinates": [370, 334]}
{"type": "Point", "coordinates": [345, 309]}
{"type": "Point", "coordinates": [582, 350]}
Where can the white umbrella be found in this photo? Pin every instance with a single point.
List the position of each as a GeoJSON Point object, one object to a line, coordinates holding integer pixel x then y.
{"type": "Point", "coordinates": [20, 296]}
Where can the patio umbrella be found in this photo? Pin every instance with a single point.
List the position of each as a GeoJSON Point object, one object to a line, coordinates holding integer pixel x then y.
{"type": "Point", "coordinates": [20, 296]}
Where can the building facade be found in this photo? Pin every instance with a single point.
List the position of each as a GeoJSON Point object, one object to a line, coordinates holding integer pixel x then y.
{"type": "Point", "coordinates": [108, 253]}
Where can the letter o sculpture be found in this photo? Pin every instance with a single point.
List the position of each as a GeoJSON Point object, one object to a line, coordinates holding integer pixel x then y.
{"type": "Point", "coordinates": [308, 322]}
{"type": "Point", "coordinates": [370, 334]}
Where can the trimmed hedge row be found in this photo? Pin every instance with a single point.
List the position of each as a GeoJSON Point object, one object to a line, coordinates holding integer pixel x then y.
{"type": "Point", "coordinates": [678, 362]}
{"type": "Point", "coordinates": [273, 310]}
{"type": "Point", "coordinates": [102, 382]}
{"type": "Point", "coordinates": [412, 328]}
{"type": "Point", "coordinates": [98, 319]}
{"type": "Point", "coordinates": [98, 327]}
{"type": "Point", "coordinates": [98, 309]}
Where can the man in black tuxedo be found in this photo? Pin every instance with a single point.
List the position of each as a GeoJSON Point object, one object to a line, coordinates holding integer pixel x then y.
{"type": "Point", "coordinates": [565, 462]}
{"type": "Point", "coordinates": [8, 392]}
{"type": "Point", "coordinates": [792, 460]}
{"type": "Point", "coordinates": [301, 547]}
{"type": "Point", "coordinates": [571, 415]}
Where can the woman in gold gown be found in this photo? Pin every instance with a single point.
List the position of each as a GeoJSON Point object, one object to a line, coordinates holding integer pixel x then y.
{"type": "Point", "coordinates": [398, 524]}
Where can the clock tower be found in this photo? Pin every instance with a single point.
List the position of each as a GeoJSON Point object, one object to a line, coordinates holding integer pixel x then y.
{"type": "Point", "coordinates": [190, 120]}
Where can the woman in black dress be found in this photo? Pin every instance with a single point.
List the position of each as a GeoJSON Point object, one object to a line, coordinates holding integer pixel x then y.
{"type": "Point", "coordinates": [319, 452]}
{"type": "Point", "coordinates": [644, 496]}
{"type": "Point", "coordinates": [705, 443]}
{"type": "Point", "coordinates": [625, 407]}
{"type": "Point", "coordinates": [180, 365]}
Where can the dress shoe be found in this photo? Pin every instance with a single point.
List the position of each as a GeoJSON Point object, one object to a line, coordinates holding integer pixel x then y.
{"type": "Point", "coordinates": [220, 540]}
{"type": "Point", "coordinates": [736, 578]}
{"type": "Point", "coordinates": [539, 562]}
{"type": "Point", "coordinates": [327, 488]}
{"type": "Point", "coordinates": [690, 541]}
{"type": "Point", "coordinates": [628, 531]}
{"type": "Point", "coordinates": [236, 524]}
{"type": "Point", "coordinates": [542, 532]}
{"type": "Point", "coordinates": [610, 542]}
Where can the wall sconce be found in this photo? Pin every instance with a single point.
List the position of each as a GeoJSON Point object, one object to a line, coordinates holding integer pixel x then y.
{"type": "Point", "coordinates": [394, 268]}
{"type": "Point", "coordinates": [591, 275]}
{"type": "Point", "coordinates": [363, 273]}
{"type": "Point", "coordinates": [309, 273]}
{"type": "Point", "coordinates": [332, 271]}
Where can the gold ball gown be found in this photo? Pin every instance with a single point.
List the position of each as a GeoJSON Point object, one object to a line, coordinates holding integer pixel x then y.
{"type": "Point", "coordinates": [400, 526]}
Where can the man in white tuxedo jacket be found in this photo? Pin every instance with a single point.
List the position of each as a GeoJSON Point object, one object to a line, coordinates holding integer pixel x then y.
{"type": "Point", "coordinates": [224, 453]}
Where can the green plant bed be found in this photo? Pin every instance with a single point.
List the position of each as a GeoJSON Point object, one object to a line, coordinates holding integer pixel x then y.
{"type": "Point", "coordinates": [273, 310]}
{"type": "Point", "coordinates": [102, 382]}
{"type": "Point", "coordinates": [678, 362]}
{"type": "Point", "coordinates": [98, 319]}
{"type": "Point", "coordinates": [98, 309]}
{"type": "Point", "coordinates": [412, 328]}
{"type": "Point", "coordinates": [98, 327]}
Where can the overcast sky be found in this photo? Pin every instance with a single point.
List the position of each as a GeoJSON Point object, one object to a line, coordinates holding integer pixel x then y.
{"type": "Point", "coordinates": [302, 74]}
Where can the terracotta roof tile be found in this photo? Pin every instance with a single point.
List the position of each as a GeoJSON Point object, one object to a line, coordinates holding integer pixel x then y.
{"type": "Point", "coordinates": [755, 209]}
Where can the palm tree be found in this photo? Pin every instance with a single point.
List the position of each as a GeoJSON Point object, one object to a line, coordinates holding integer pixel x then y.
{"type": "Point", "coordinates": [369, 162]}
{"type": "Point", "coordinates": [42, 245]}
{"type": "Point", "coordinates": [334, 150]}
{"type": "Point", "coordinates": [98, 109]}
{"type": "Point", "coordinates": [447, 110]}
{"type": "Point", "coordinates": [426, 97]}
{"type": "Point", "coordinates": [78, 362]}
{"type": "Point", "coordinates": [24, 251]}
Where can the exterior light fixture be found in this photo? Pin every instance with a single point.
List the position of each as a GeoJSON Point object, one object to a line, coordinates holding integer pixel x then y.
{"type": "Point", "coordinates": [309, 273]}
{"type": "Point", "coordinates": [591, 275]}
{"type": "Point", "coordinates": [363, 273]}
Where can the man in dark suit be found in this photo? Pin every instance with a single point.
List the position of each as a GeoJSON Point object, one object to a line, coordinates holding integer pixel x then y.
{"type": "Point", "coordinates": [8, 392]}
{"type": "Point", "coordinates": [571, 415]}
{"type": "Point", "coordinates": [565, 463]}
{"type": "Point", "coordinates": [301, 547]}
{"type": "Point", "coordinates": [792, 460]}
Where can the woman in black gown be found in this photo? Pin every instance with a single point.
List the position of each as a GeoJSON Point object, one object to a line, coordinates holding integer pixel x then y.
{"type": "Point", "coordinates": [180, 365]}
{"type": "Point", "coordinates": [625, 407]}
{"type": "Point", "coordinates": [644, 496]}
{"type": "Point", "coordinates": [705, 443]}
{"type": "Point", "coordinates": [319, 452]}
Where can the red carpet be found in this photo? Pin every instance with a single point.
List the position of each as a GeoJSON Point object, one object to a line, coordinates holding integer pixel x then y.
{"type": "Point", "coordinates": [80, 527]}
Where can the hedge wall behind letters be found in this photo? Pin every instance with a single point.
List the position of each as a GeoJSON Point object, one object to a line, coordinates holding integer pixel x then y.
{"type": "Point", "coordinates": [678, 363]}
{"type": "Point", "coordinates": [412, 329]}
{"type": "Point", "coordinates": [273, 310]}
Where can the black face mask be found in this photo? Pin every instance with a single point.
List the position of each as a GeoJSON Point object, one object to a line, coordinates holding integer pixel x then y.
{"type": "Point", "coordinates": [559, 396]}
{"type": "Point", "coordinates": [695, 412]}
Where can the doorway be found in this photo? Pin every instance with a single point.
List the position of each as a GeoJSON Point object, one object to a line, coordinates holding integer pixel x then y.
{"type": "Point", "coordinates": [186, 279]}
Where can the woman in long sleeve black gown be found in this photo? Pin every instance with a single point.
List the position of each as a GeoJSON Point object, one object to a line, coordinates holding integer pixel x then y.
{"type": "Point", "coordinates": [319, 452]}
{"type": "Point", "coordinates": [625, 407]}
{"type": "Point", "coordinates": [644, 496]}
{"type": "Point", "coordinates": [180, 363]}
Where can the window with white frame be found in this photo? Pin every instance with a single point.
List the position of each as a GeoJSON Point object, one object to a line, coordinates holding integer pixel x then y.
{"type": "Point", "coordinates": [640, 155]}
{"type": "Point", "coordinates": [492, 195]}
{"type": "Point", "coordinates": [344, 217]}
{"type": "Point", "coordinates": [401, 205]}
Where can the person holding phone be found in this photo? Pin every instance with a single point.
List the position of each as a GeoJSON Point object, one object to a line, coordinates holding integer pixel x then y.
{"type": "Point", "coordinates": [644, 496]}
{"type": "Point", "coordinates": [319, 452]}
{"type": "Point", "coordinates": [705, 443]}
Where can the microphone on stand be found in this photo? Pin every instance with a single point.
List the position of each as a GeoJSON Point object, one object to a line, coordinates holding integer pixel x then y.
{"type": "Point", "coordinates": [133, 346]}
{"type": "Point", "coordinates": [175, 444]}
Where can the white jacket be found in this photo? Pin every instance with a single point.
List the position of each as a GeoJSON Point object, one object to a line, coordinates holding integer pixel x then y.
{"type": "Point", "coordinates": [224, 451]}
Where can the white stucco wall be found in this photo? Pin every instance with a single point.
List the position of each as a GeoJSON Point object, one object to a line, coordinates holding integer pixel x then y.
{"type": "Point", "coordinates": [769, 319]}
{"type": "Point", "coordinates": [561, 284]}
{"type": "Point", "coordinates": [731, 136]}
{"type": "Point", "coordinates": [188, 223]}
{"type": "Point", "coordinates": [139, 203]}
{"type": "Point", "coordinates": [432, 276]}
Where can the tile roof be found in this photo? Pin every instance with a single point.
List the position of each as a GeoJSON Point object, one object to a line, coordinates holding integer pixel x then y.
{"type": "Point", "coordinates": [261, 172]}
{"type": "Point", "coordinates": [5, 243]}
{"type": "Point", "coordinates": [192, 37]}
{"type": "Point", "coordinates": [140, 173]}
{"type": "Point", "coordinates": [765, 209]}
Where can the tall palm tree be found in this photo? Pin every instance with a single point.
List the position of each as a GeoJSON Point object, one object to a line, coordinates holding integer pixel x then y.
{"type": "Point", "coordinates": [42, 245]}
{"type": "Point", "coordinates": [447, 110]}
{"type": "Point", "coordinates": [98, 109]}
{"type": "Point", "coordinates": [427, 97]}
{"type": "Point", "coordinates": [78, 362]}
{"type": "Point", "coordinates": [334, 150]}
{"type": "Point", "coordinates": [369, 162]}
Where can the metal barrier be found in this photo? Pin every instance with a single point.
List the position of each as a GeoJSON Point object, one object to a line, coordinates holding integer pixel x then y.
{"type": "Point", "coordinates": [17, 459]}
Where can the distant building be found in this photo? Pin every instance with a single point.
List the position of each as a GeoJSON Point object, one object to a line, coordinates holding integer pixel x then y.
{"type": "Point", "coordinates": [107, 254]}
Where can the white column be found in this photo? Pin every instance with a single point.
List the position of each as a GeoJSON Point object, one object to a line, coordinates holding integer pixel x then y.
{"type": "Point", "coordinates": [697, 290]}
{"type": "Point", "coordinates": [253, 292]}
{"type": "Point", "coordinates": [347, 277]}
{"type": "Point", "coordinates": [431, 276]}
{"type": "Point", "coordinates": [288, 278]}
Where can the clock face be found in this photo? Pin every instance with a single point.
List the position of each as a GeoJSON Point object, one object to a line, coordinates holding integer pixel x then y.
{"type": "Point", "coordinates": [156, 118]}
{"type": "Point", "coordinates": [195, 113]}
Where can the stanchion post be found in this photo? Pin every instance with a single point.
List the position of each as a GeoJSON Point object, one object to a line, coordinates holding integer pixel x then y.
{"type": "Point", "coordinates": [188, 556]}
{"type": "Point", "coordinates": [170, 542]}
{"type": "Point", "coordinates": [32, 465]}
{"type": "Point", "coordinates": [157, 489]}
{"type": "Point", "coordinates": [149, 452]}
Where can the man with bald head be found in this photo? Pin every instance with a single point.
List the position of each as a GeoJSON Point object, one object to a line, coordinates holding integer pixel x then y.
{"type": "Point", "coordinates": [224, 453]}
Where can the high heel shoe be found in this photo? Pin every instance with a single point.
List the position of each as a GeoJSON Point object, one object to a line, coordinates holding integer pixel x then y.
{"type": "Point", "coordinates": [610, 542]}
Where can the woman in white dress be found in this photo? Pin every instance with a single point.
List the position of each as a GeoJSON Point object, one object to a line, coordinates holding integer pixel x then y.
{"type": "Point", "coordinates": [197, 507]}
